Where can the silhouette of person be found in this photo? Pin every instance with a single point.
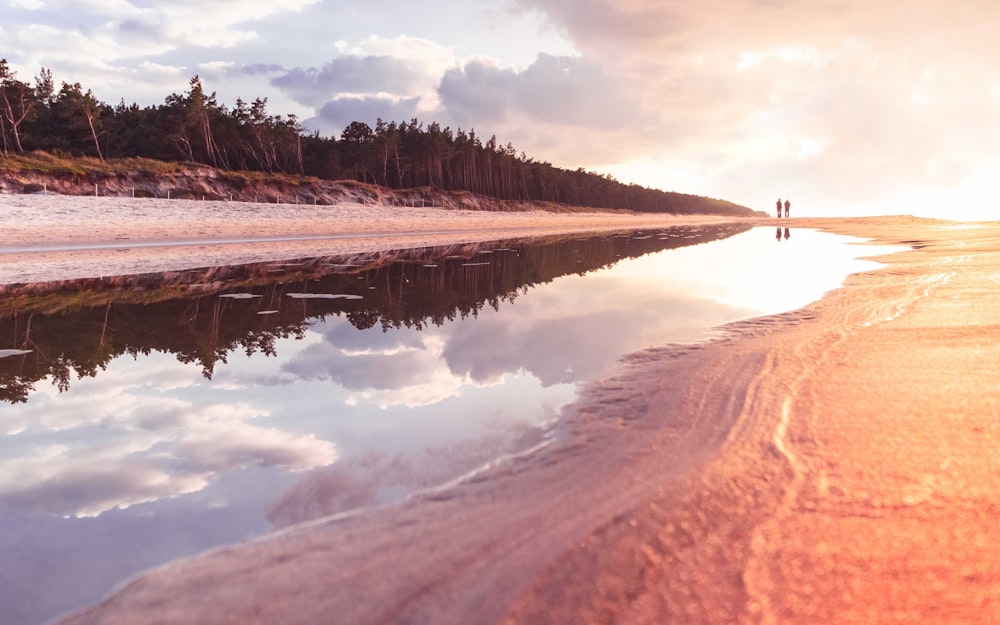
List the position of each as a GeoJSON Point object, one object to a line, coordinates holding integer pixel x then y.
{"type": "Point", "coordinates": [777, 235]}
{"type": "Point", "coordinates": [779, 208]}
{"type": "Point", "coordinates": [787, 234]}
{"type": "Point", "coordinates": [788, 205]}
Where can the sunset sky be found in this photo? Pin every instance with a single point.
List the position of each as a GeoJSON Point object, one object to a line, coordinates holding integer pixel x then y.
{"type": "Point", "coordinates": [846, 107]}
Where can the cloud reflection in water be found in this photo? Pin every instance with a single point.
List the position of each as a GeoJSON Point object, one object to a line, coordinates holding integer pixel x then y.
{"type": "Point", "coordinates": [106, 447]}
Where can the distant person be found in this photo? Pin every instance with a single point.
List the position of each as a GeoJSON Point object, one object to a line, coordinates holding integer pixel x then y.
{"type": "Point", "coordinates": [777, 235]}
{"type": "Point", "coordinates": [787, 234]}
{"type": "Point", "coordinates": [788, 205]}
{"type": "Point", "coordinates": [779, 208]}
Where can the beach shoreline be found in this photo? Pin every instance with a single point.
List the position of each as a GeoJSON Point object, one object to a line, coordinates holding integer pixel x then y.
{"type": "Point", "coordinates": [46, 238]}
{"type": "Point", "coordinates": [827, 464]}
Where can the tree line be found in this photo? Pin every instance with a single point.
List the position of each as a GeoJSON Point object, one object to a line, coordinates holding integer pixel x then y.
{"type": "Point", "coordinates": [194, 126]}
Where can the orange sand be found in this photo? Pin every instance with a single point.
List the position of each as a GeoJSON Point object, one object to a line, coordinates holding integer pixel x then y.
{"type": "Point", "coordinates": [835, 464]}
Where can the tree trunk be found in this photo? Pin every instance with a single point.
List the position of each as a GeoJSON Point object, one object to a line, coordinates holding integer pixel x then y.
{"type": "Point", "coordinates": [93, 132]}
{"type": "Point", "coordinates": [13, 120]}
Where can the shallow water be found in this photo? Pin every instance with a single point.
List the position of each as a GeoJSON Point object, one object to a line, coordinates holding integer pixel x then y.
{"type": "Point", "coordinates": [157, 416]}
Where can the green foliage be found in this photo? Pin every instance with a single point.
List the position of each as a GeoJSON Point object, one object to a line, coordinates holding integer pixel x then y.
{"type": "Point", "coordinates": [194, 128]}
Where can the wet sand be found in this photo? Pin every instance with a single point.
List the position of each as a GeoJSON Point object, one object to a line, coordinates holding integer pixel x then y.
{"type": "Point", "coordinates": [834, 464]}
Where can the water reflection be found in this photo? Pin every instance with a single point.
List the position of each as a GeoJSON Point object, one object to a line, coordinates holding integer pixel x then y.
{"type": "Point", "coordinates": [75, 329]}
{"type": "Point", "coordinates": [148, 417]}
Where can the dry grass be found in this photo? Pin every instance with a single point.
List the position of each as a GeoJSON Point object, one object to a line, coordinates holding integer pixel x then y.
{"type": "Point", "coordinates": [57, 164]}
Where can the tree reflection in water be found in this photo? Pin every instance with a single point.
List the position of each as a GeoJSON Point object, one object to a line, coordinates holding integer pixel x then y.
{"type": "Point", "coordinates": [74, 329]}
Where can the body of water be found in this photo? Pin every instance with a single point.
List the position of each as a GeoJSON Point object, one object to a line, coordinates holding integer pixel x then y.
{"type": "Point", "coordinates": [145, 418]}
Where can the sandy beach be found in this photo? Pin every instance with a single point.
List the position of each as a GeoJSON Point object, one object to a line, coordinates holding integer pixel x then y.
{"type": "Point", "coordinates": [833, 464]}
{"type": "Point", "coordinates": [58, 237]}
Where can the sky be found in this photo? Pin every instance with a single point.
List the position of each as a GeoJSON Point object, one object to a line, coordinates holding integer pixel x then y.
{"type": "Point", "coordinates": [844, 107]}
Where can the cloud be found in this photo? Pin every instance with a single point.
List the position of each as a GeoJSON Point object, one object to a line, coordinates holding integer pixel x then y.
{"type": "Point", "coordinates": [351, 75]}
{"type": "Point", "coordinates": [392, 78]}
{"type": "Point", "coordinates": [105, 44]}
{"type": "Point", "coordinates": [480, 92]}
{"type": "Point", "coordinates": [337, 114]}
{"type": "Point", "coordinates": [892, 96]}
{"type": "Point", "coordinates": [556, 109]}
{"type": "Point", "coordinates": [117, 30]}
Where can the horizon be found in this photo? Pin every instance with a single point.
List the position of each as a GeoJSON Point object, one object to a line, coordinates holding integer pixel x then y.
{"type": "Point", "coordinates": [847, 110]}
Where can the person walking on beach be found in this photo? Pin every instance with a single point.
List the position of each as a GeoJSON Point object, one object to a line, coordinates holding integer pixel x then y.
{"type": "Point", "coordinates": [779, 208]}
{"type": "Point", "coordinates": [788, 205]}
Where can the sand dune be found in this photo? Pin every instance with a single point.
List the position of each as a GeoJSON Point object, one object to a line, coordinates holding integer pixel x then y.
{"type": "Point", "coordinates": [831, 464]}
